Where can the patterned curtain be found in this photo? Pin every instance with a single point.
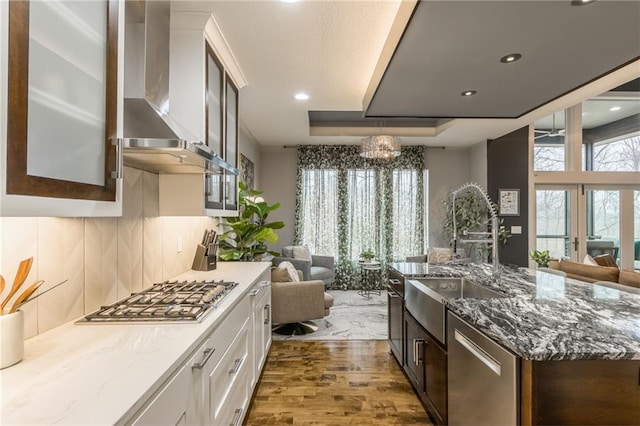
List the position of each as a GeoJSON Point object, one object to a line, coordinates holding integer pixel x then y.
{"type": "Point", "coordinates": [347, 204]}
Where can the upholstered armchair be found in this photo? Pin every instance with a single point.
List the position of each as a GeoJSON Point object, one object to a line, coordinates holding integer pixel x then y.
{"type": "Point", "coordinates": [295, 304]}
{"type": "Point", "coordinates": [318, 267]}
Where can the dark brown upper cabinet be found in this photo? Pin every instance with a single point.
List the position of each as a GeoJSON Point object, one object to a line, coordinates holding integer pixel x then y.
{"type": "Point", "coordinates": [62, 99]}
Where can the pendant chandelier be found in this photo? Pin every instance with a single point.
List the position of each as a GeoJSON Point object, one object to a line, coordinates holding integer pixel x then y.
{"type": "Point", "coordinates": [381, 147]}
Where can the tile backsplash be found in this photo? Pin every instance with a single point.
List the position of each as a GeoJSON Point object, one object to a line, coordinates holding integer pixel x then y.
{"type": "Point", "coordinates": [103, 259]}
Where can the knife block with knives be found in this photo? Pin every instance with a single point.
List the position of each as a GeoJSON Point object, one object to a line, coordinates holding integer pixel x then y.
{"type": "Point", "coordinates": [206, 255]}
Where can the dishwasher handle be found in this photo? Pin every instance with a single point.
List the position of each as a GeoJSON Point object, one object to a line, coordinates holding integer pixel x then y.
{"type": "Point", "coordinates": [478, 352]}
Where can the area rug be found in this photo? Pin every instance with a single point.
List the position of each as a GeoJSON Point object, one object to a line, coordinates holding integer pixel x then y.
{"type": "Point", "coordinates": [352, 317]}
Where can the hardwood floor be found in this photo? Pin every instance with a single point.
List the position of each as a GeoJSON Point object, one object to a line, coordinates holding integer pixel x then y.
{"type": "Point", "coordinates": [334, 383]}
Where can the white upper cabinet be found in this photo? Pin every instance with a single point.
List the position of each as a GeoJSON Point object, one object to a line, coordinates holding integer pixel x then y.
{"type": "Point", "coordinates": [60, 94]}
{"type": "Point", "coordinates": [204, 87]}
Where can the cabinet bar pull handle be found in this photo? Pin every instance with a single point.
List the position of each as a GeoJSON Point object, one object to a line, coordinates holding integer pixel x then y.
{"type": "Point", "coordinates": [236, 417]}
{"type": "Point", "coordinates": [478, 352]}
{"type": "Point", "coordinates": [265, 283]}
{"type": "Point", "coordinates": [254, 292]}
{"type": "Point", "coordinates": [117, 173]}
{"type": "Point", "coordinates": [394, 281]}
{"type": "Point", "coordinates": [267, 318]}
{"type": "Point", "coordinates": [417, 358]}
{"type": "Point", "coordinates": [206, 355]}
{"type": "Point", "coordinates": [392, 294]}
{"type": "Point", "coordinates": [236, 366]}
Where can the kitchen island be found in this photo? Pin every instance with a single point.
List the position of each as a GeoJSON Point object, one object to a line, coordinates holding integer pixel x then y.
{"type": "Point", "coordinates": [577, 344]}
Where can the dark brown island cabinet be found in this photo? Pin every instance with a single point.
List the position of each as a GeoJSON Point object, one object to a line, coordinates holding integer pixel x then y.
{"type": "Point", "coordinates": [423, 358]}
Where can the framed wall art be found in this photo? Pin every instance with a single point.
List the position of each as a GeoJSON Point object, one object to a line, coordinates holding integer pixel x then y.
{"type": "Point", "coordinates": [246, 172]}
{"type": "Point", "coordinates": [508, 202]}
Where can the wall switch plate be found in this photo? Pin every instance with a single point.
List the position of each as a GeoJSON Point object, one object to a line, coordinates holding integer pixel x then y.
{"type": "Point", "coordinates": [516, 230]}
{"type": "Point", "coordinates": [179, 248]}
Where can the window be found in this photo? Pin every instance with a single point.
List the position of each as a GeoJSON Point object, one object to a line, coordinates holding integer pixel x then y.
{"type": "Point", "coordinates": [318, 204]}
{"type": "Point", "coordinates": [363, 232]}
{"type": "Point", "coordinates": [405, 211]}
{"type": "Point", "coordinates": [347, 204]}
{"type": "Point", "coordinates": [552, 222]}
{"type": "Point", "coordinates": [549, 146]}
{"type": "Point", "coordinates": [596, 210]}
{"type": "Point", "coordinates": [617, 156]}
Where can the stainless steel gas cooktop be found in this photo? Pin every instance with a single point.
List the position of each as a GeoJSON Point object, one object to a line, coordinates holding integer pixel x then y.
{"type": "Point", "coordinates": [185, 301]}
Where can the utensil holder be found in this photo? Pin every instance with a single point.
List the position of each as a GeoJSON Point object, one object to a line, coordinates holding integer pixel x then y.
{"type": "Point", "coordinates": [11, 338]}
{"type": "Point", "coordinates": [202, 261]}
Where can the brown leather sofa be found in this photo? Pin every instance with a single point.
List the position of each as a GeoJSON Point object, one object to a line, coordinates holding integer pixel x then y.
{"type": "Point", "coordinates": [592, 273]}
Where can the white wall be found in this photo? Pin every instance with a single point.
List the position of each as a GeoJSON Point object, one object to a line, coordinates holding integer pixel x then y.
{"type": "Point", "coordinates": [448, 169]}
{"type": "Point", "coordinates": [104, 259]}
{"type": "Point", "coordinates": [250, 148]}
{"type": "Point", "coordinates": [278, 178]}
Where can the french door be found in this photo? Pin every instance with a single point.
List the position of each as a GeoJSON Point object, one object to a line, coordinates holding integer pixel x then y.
{"type": "Point", "coordinates": [575, 220]}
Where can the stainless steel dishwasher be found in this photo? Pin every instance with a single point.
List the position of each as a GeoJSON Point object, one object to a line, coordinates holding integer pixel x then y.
{"type": "Point", "coordinates": [483, 378]}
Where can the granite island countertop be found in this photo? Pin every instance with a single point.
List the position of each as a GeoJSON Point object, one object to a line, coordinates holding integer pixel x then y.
{"type": "Point", "coordinates": [547, 317]}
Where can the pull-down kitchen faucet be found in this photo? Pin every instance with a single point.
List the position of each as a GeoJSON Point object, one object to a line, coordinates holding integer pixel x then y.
{"type": "Point", "coordinates": [494, 226]}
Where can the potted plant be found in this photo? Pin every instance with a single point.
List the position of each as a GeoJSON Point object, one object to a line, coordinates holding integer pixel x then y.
{"type": "Point", "coordinates": [542, 258]}
{"type": "Point", "coordinates": [367, 255]}
{"type": "Point", "coordinates": [471, 215]}
{"type": "Point", "coordinates": [246, 236]}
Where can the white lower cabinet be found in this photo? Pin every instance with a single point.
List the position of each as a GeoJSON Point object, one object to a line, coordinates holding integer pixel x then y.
{"type": "Point", "coordinates": [215, 385]}
{"type": "Point", "coordinates": [170, 406]}
{"type": "Point", "coordinates": [261, 318]}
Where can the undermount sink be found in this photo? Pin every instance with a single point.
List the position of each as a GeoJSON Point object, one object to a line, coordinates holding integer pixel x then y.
{"type": "Point", "coordinates": [425, 300]}
{"type": "Point", "coordinates": [458, 288]}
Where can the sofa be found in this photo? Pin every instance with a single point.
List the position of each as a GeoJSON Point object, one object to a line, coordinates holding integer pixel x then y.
{"type": "Point", "coordinates": [313, 267]}
{"type": "Point", "coordinates": [595, 273]}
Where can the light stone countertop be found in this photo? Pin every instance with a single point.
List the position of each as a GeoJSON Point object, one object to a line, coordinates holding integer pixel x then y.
{"type": "Point", "coordinates": [547, 317]}
{"type": "Point", "coordinates": [103, 373]}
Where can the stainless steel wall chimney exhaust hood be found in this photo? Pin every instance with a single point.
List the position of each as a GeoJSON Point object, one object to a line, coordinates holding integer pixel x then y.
{"type": "Point", "coordinates": [153, 141]}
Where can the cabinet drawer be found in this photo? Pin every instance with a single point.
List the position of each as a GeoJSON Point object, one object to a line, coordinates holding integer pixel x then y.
{"type": "Point", "coordinates": [235, 408]}
{"type": "Point", "coordinates": [224, 334]}
{"type": "Point", "coordinates": [170, 405]}
{"type": "Point", "coordinates": [260, 289]}
{"type": "Point", "coordinates": [229, 373]}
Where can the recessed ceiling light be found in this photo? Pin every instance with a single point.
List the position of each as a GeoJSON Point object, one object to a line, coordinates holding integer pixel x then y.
{"type": "Point", "coordinates": [581, 2]}
{"type": "Point", "coordinates": [511, 57]}
{"type": "Point", "coordinates": [301, 96]}
{"type": "Point", "coordinates": [468, 93]}
{"type": "Point", "coordinates": [615, 108]}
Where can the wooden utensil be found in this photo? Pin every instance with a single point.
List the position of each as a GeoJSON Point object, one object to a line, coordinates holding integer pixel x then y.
{"type": "Point", "coordinates": [1, 283]}
{"type": "Point", "coordinates": [25, 295]}
{"type": "Point", "coordinates": [21, 275]}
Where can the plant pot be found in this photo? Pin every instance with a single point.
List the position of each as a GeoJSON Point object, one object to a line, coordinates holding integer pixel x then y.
{"type": "Point", "coordinates": [11, 339]}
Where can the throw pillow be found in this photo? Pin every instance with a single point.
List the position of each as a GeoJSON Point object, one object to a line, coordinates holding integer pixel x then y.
{"type": "Point", "coordinates": [588, 260]}
{"type": "Point", "coordinates": [438, 255]}
{"type": "Point", "coordinates": [280, 275]}
{"type": "Point", "coordinates": [302, 253]}
{"type": "Point", "coordinates": [293, 274]}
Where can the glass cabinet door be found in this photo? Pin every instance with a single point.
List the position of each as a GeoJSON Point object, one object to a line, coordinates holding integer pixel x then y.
{"type": "Point", "coordinates": [231, 144]}
{"type": "Point", "coordinates": [214, 191]}
{"type": "Point", "coordinates": [62, 99]}
{"type": "Point", "coordinates": [213, 102]}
